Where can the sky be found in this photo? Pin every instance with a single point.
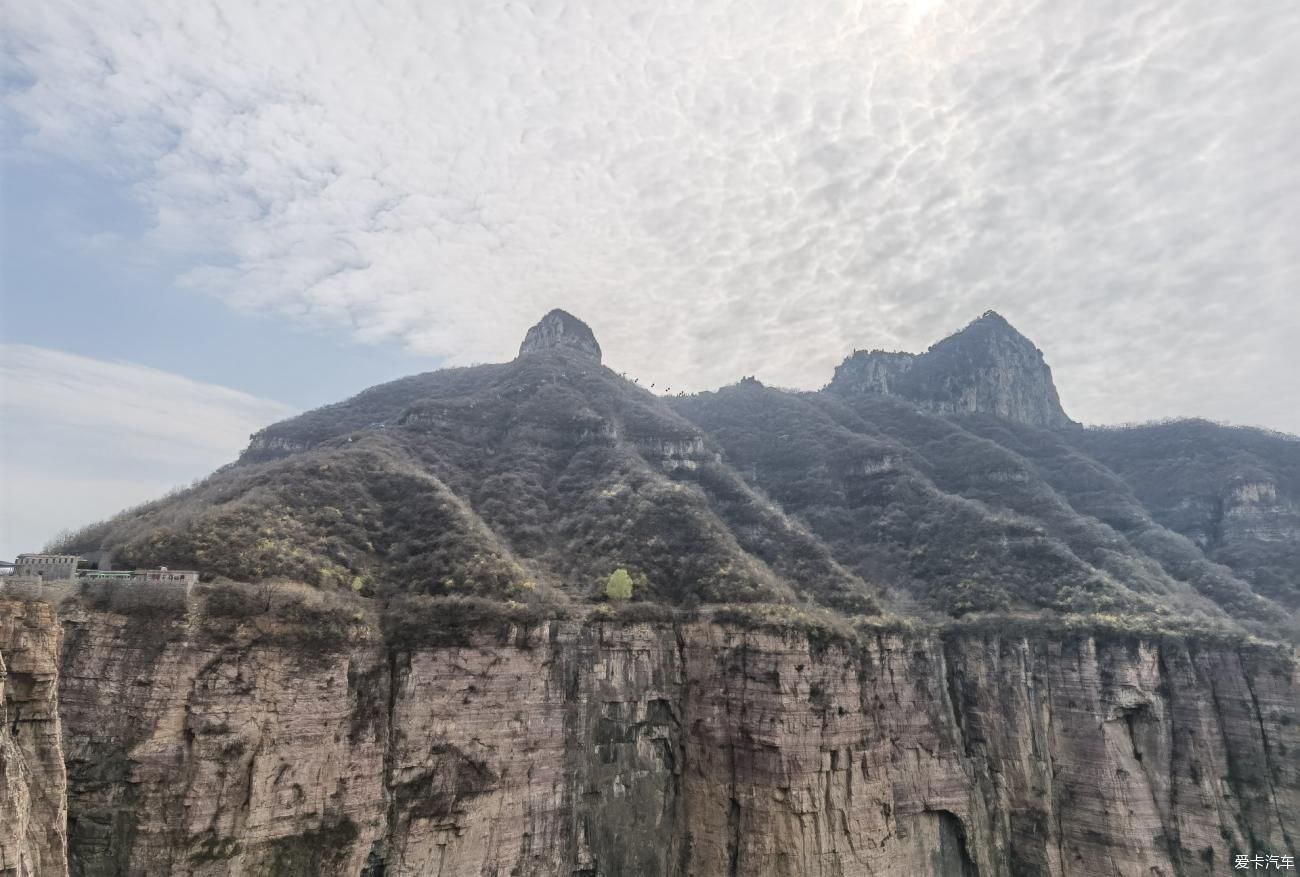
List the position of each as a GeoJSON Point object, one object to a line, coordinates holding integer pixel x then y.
{"type": "Point", "coordinates": [216, 214]}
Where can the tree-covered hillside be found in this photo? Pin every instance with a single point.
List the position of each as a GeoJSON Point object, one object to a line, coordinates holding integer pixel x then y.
{"type": "Point", "coordinates": [533, 481]}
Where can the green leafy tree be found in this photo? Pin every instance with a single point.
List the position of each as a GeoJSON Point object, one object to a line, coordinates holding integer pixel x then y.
{"type": "Point", "coordinates": [619, 586]}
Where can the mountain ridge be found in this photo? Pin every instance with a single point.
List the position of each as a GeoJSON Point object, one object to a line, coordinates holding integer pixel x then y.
{"type": "Point", "coordinates": [954, 486]}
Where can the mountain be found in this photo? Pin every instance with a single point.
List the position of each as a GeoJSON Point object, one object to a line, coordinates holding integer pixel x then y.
{"type": "Point", "coordinates": [986, 368]}
{"type": "Point", "coordinates": [940, 484]}
{"type": "Point", "coordinates": [918, 622]}
{"type": "Point", "coordinates": [536, 477]}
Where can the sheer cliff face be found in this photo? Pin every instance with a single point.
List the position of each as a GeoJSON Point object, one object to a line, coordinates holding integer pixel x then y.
{"type": "Point", "coordinates": [33, 800]}
{"type": "Point", "coordinates": [987, 368]}
{"type": "Point", "coordinates": [691, 749]}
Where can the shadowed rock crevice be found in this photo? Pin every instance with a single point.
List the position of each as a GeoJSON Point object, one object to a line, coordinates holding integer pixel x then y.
{"type": "Point", "coordinates": [945, 835]}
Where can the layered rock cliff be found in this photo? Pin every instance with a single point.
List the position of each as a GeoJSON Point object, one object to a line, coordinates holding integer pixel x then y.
{"type": "Point", "coordinates": [205, 740]}
{"type": "Point", "coordinates": [33, 790]}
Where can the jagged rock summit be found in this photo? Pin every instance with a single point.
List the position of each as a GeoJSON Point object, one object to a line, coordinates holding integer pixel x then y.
{"type": "Point", "coordinates": [561, 329]}
{"type": "Point", "coordinates": [986, 368]}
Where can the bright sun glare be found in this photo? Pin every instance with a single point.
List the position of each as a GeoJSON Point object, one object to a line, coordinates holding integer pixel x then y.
{"type": "Point", "coordinates": [916, 10]}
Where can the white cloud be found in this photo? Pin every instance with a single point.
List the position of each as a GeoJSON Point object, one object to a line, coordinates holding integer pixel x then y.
{"type": "Point", "coordinates": [82, 438]}
{"type": "Point", "coordinates": [721, 188]}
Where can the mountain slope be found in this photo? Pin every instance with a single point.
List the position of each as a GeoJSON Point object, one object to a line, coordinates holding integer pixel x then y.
{"type": "Point", "coordinates": [1233, 491]}
{"type": "Point", "coordinates": [935, 510]}
{"type": "Point", "coordinates": [955, 485]}
{"type": "Point", "coordinates": [548, 472]}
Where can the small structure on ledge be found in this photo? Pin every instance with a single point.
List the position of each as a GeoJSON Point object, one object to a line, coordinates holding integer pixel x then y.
{"type": "Point", "coordinates": [50, 567]}
{"type": "Point", "coordinates": [43, 570]}
{"type": "Point", "coordinates": [161, 576]}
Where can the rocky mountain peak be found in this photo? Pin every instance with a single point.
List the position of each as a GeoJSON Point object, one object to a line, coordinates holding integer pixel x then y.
{"type": "Point", "coordinates": [988, 367]}
{"type": "Point", "coordinates": [988, 328]}
{"type": "Point", "coordinates": [993, 318]}
{"type": "Point", "coordinates": [561, 329]}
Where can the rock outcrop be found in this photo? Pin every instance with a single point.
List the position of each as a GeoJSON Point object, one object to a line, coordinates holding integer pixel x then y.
{"type": "Point", "coordinates": [561, 330]}
{"type": "Point", "coordinates": [205, 746]}
{"type": "Point", "coordinates": [264, 447]}
{"type": "Point", "coordinates": [873, 371]}
{"type": "Point", "coordinates": [1257, 510]}
{"type": "Point", "coordinates": [986, 368]}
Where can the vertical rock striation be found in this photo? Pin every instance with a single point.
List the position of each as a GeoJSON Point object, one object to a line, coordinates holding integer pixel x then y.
{"type": "Point", "coordinates": [602, 749]}
{"type": "Point", "coordinates": [198, 749]}
{"type": "Point", "coordinates": [33, 799]}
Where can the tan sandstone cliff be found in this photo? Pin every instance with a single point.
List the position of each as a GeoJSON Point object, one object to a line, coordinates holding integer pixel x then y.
{"type": "Point", "coordinates": [32, 787]}
{"type": "Point", "coordinates": [209, 747]}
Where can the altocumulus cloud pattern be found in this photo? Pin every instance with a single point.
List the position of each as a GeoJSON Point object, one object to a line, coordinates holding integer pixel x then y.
{"type": "Point", "coordinates": [721, 187]}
